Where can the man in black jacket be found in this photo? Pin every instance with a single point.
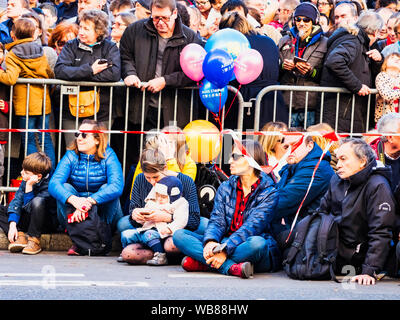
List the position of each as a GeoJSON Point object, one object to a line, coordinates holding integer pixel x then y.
{"type": "Point", "coordinates": [348, 64]}
{"type": "Point", "coordinates": [150, 52]}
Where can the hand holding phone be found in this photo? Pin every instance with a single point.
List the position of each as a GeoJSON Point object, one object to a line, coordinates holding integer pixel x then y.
{"type": "Point", "coordinates": [298, 59]}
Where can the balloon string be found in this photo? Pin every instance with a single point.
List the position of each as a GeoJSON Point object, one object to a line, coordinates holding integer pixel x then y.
{"type": "Point", "coordinates": [229, 109]}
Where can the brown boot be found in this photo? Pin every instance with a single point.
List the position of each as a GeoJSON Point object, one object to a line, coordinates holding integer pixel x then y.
{"type": "Point", "coordinates": [19, 244]}
{"type": "Point", "coordinates": [33, 246]}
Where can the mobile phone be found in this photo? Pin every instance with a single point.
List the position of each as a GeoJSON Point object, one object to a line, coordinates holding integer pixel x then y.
{"type": "Point", "coordinates": [145, 213]}
{"type": "Point", "coordinates": [103, 61]}
{"type": "Point", "coordinates": [298, 59]}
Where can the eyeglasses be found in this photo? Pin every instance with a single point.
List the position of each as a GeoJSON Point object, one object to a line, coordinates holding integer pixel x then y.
{"type": "Point", "coordinates": [157, 19]}
{"type": "Point", "coordinates": [236, 156]}
{"type": "Point", "coordinates": [84, 134]}
{"type": "Point", "coordinates": [202, 3]}
{"type": "Point", "coordinates": [305, 20]}
{"type": "Point", "coordinates": [323, 3]}
{"type": "Point", "coordinates": [286, 11]}
{"type": "Point", "coordinates": [117, 24]}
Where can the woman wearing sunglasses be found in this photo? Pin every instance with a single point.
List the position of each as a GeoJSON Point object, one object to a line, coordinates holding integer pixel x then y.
{"type": "Point", "coordinates": [88, 174]}
{"type": "Point", "coordinates": [236, 241]}
{"type": "Point", "coordinates": [302, 53]}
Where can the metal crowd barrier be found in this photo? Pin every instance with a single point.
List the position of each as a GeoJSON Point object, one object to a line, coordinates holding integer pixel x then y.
{"type": "Point", "coordinates": [73, 87]}
{"type": "Point", "coordinates": [307, 89]}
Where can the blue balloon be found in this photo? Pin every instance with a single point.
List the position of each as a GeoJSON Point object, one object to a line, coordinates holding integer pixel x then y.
{"type": "Point", "coordinates": [213, 97]}
{"type": "Point", "coordinates": [218, 67]}
{"type": "Point", "coordinates": [230, 40]}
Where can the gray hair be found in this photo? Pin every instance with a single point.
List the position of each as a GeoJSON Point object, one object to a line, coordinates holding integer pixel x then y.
{"type": "Point", "coordinates": [389, 123]}
{"type": "Point", "coordinates": [99, 19]}
{"type": "Point", "coordinates": [370, 22]}
{"type": "Point", "coordinates": [361, 149]}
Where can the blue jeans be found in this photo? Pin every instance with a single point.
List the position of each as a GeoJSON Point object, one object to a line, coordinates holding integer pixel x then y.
{"type": "Point", "coordinates": [298, 118]}
{"type": "Point", "coordinates": [255, 249]}
{"type": "Point", "coordinates": [148, 237]}
{"type": "Point", "coordinates": [110, 211]}
{"type": "Point", "coordinates": [36, 122]}
{"type": "Point", "coordinates": [124, 224]}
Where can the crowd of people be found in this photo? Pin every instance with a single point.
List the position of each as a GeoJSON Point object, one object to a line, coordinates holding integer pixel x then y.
{"type": "Point", "coordinates": [346, 44]}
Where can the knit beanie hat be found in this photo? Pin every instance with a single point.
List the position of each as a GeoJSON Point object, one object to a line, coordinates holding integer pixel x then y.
{"type": "Point", "coordinates": [169, 186]}
{"type": "Point", "coordinates": [308, 10]}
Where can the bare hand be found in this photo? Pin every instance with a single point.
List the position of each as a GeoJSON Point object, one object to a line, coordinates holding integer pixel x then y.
{"type": "Point", "coordinates": [217, 260]}
{"type": "Point", "coordinates": [137, 216]}
{"type": "Point", "coordinates": [97, 68]}
{"type": "Point", "coordinates": [374, 55]}
{"type": "Point", "coordinates": [32, 180]}
{"type": "Point", "coordinates": [155, 85]}
{"type": "Point", "coordinates": [207, 251]}
{"type": "Point", "coordinates": [363, 279]}
{"type": "Point", "coordinates": [288, 64]}
{"type": "Point", "coordinates": [12, 232]}
{"type": "Point", "coordinates": [80, 203]}
{"type": "Point", "coordinates": [133, 80]}
{"type": "Point", "coordinates": [303, 67]}
{"type": "Point", "coordinates": [364, 91]}
{"type": "Point", "coordinates": [78, 216]}
{"type": "Point", "coordinates": [158, 216]}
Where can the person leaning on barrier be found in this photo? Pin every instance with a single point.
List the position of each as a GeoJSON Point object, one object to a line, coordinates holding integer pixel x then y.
{"type": "Point", "coordinates": [79, 60]}
{"type": "Point", "coordinates": [268, 76]}
{"type": "Point", "coordinates": [154, 168]}
{"type": "Point", "coordinates": [150, 51]}
{"type": "Point", "coordinates": [349, 63]}
{"type": "Point", "coordinates": [88, 174]}
{"type": "Point", "coordinates": [295, 180]}
{"type": "Point", "coordinates": [26, 59]}
{"type": "Point", "coordinates": [361, 199]}
{"type": "Point", "coordinates": [305, 40]}
{"type": "Point", "coordinates": [237, 238]}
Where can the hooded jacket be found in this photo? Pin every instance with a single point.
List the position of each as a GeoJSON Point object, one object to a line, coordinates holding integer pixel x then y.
{"type": "Point", "coordinates": [26, 59]}
{"type": "Point", "coordinates": [257, 216]}
{"type": "Point", "coordinates": [314, 53]}
{"type": "Point", "coordinates": [365, 211]}
{"type": "Point", "coordinates": [347, 65]}
{"type": "Point", "coordinates": [292, 187]}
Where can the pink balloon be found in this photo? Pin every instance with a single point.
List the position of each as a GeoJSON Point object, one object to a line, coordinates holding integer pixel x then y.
{"type": "Point", "coordinates": [248, 66]}
{"type": "Point", "coordinates": [191, 61]}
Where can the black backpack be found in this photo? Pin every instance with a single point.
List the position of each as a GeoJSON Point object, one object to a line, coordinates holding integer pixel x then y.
{"type": "Point", "coordinates": [208, 179]}
{"type": "Point", "coordinates": [92, 236]}
{"type": "Point", "coordinates": [313, 248]}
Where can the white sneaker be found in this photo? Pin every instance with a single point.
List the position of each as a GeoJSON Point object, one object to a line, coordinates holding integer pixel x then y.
{"type": "Point", "coordinates": [159, 259]}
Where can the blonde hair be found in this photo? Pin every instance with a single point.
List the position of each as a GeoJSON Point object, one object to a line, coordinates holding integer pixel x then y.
{"type": "Point", "coordinates": [268, 142]}
{"type": "Point", "coordinates": [100, 136]}
{"type": "Point", "coordinates": [384, 64]}
{"type": "Point", "coordinates": [321, 141]}
{"type": "Point", "coordinates": [153, 141]}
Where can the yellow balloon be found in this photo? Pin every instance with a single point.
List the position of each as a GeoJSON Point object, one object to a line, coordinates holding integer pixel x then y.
{"type": "Point", "coordinates": [204, 147]}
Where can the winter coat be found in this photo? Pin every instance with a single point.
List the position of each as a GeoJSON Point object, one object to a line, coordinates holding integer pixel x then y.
{"type": "Point", "coordinates": [292, 187]}
{"type": "Point", "coordinates": [26, 59]}
{"type": "Point", "coordinates": [139, 49]}
{"type": "Point", "coordinates": [257, 217]}
{"type": "Point", "coordinates": [74, 64]}
{"type": "Point", "coordinates": [101, 180]}
{"type": "Point", "coordinates": [269, 76]}
{"type": "Point", "coordinates": [365, 211]}
{"type": "Point", "coordinates": [347, 65]}
{"type": "Point", "coordinates": [40, 190]}
{"type": "Point", "coordinates": [142, 188]}
{"type": "Point", "coordinates": [180, 214]}
{"type": "Point", "coordinates": [314, 53]}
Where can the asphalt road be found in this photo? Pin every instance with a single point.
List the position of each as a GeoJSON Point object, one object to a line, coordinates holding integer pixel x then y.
{"type": "Point", "coordinates": [56, 276]}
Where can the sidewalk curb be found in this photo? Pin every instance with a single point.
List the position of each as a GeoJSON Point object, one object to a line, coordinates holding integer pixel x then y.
{"type": "Point", "coordinates": [57, 242]}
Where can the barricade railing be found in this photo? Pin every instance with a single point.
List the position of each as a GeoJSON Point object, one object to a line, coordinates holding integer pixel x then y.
{"type": "Point", "coordinates": [307, 90]}
{"type": "Point", "coordinates": [74, 87]}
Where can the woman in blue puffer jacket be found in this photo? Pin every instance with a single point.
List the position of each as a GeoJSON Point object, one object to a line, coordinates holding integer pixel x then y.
{"type": "Point", "coordinates": [239, 224]}
{"type": "Point", "coordinates": [88, 174]}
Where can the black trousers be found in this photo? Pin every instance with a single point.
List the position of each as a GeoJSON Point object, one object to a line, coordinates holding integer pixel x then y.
{"type": "Point", "coordinates": [37, 217]}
